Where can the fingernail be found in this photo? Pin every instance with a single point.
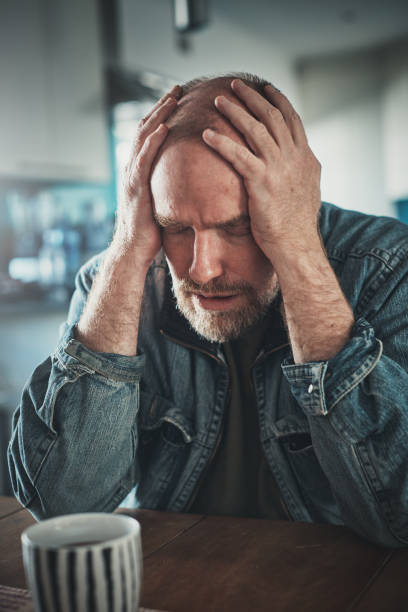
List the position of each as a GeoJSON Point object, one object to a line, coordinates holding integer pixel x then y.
{"type": "Point", "coordinates": [208, 132]}
{"type": "Point", "coordinates": [272, 88]}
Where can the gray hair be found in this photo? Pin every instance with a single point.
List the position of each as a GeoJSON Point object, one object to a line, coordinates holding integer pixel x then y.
{"type": "Point", "coordinates": [253, 80]}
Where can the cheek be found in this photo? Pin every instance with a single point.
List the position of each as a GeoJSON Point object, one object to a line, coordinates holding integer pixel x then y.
{"type": "Point", "coordinates": [252, 265]}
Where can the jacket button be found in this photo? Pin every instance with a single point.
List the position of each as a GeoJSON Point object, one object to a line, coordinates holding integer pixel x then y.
{"type": "Point", "coordinates": [310, 389]}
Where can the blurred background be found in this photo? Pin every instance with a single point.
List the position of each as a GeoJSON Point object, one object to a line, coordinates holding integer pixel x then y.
{"type": "Point", "coordinates": [75, 77]}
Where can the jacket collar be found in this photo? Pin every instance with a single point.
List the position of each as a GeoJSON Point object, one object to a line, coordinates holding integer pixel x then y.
{"type": "Point", "coordinates": [176, 327]}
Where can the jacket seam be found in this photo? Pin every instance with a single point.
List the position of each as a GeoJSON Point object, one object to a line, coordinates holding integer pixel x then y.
{"type": "Point", "coordinates": [374, 494]}
{"type": "Point", "coordinates": [400, 254]}
{"type": "Point", "coordinates": [44, 459]}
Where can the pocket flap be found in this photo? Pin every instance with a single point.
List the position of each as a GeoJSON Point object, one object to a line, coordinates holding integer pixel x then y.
{"type": "Point", "coordinates": [156, 410]}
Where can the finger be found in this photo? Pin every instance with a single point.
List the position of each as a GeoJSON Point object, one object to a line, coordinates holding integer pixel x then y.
{"type": "Point", "coordinates": [241, 158]}
{"type": "Point", "coordinates": [152, 122]}
{"type": "Point", "coordinates": [157, 115]}
{"type": "Point", "coordinates": [292, 119]}
{"type": "Point", "coordinates": [256, 134]}
{"type": "Point", "coordinates": [175, 92]}
{"type": "Point", "coordinates": [162, 112]}
{"type": "Point", "coordinates": [142, 164]}
{"type": "Point", "coordinates": [261, 108]}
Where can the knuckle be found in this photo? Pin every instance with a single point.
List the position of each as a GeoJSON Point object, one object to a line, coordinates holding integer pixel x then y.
{"type": "Point", "coordinates": [129, 176]}
{"type": "Point", "coordinates": [261, 129]}
{"type": "Point", "coordinates": [138, 166]}
{"type": "Point", "coordinates": [245, 154]}
{"type": "Point", "coordinates": [136, 143]}
{"type": "Point", "coordinates": [274, 113]}
{"type": "Point", "coordinates": [149, 138]}
{"type": "Point", "coordinates": [263, 174]}
{"type": "Point", "coordinates": [248, 160]}
{"type": "Point", "coordinates": [146, 145]}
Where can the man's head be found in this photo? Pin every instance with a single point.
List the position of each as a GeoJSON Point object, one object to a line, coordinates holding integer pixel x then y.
{"type": "Point", "coordinates": [221, 279]}
{"type": "Point", "coordinates": [196, 110]}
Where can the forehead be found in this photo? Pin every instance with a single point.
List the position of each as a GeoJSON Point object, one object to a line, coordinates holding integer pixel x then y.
{"type": "Point", "coordinates": [191, 184]}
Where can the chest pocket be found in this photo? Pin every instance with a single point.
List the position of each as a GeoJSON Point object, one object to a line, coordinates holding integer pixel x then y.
{"type": "Point", "coordinates": [164, 444]}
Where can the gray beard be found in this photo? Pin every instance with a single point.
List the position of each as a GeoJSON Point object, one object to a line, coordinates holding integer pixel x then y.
{"type": "Point", "coordinates": [223, 326]}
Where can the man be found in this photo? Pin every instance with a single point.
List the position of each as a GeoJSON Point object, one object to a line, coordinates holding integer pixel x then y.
{"type": "Point", "coordinates": [257, 365]}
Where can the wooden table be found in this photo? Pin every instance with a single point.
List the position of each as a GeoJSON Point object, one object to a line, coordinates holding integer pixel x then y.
{"type": "Point", "coordinates": [195, 563]}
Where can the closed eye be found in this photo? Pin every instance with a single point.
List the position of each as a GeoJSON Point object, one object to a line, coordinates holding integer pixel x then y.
{"type": "Point", "coordinates": [239, 230]}
{"type": "Point", "coordinates": [169, 226]}
{"type": "Point", "coordinates": [239, 226]}
{"type": "Point", "coordinates": [174, 229]}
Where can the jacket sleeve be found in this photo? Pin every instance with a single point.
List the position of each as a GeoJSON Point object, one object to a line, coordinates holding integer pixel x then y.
{"type": "Point", "coordinates": [357, 408]}
{"type": "Point", "coordinates": [74, 435]}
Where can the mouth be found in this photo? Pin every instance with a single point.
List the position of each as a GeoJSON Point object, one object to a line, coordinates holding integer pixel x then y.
{"type": "Point", "coordinates": [216, 302]}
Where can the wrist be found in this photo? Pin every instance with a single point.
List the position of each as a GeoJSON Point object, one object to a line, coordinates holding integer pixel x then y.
{"type": "Point", "coordinates": [129, 259]}
{"type": "Point", "coordinates": [294, 253]}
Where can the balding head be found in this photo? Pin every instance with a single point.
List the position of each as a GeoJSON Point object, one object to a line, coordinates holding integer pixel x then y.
{"type": "Point", "coordinates": [196, 110]}
{"type": "Point", "coordinates": [222, 280]}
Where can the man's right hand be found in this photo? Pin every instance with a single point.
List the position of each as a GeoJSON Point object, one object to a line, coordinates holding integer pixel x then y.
{"type": "Point", "coordinates": [136, 232]}
{"type": "Point", "coordinates": [110, 320]}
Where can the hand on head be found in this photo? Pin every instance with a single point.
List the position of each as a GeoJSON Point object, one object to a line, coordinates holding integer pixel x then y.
{"type": "Point", "coordinates": [135, 225]}
{"type": "Point", "coordinates": [256, 130]}
{"type": "Point", "coordinates": [280, 172]}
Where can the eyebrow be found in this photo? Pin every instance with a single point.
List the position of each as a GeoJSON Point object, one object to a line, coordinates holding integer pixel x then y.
{"type": "Point", "coordinates": [231, 223]}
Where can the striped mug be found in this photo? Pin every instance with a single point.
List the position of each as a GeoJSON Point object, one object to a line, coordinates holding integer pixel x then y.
{"type": "Point", "coordinates": [84, 562]}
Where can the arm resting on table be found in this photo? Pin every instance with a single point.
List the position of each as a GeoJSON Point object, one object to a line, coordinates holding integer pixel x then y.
{"type": "Point", "coordinates": [74, 435]}
{"type": "Point", "coordinates": [357, 407]}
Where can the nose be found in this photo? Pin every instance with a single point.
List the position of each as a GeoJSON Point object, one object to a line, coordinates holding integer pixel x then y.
{"type": "Point", "coordinates": [208, 257]}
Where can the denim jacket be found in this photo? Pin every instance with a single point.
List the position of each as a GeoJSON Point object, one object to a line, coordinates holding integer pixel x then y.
{"type": "Point", "coordinates": [95, 428]}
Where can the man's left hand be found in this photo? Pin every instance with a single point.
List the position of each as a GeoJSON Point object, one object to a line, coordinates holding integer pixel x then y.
{"type": "Point", "coordinates": [280, 172]}
{"type": "Point", "coordinates": [282, 179]}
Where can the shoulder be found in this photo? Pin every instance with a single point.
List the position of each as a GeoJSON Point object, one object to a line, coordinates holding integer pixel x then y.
{"type": "Point", "coordinates": [350, 234]}
{"type": "Point", "coordinates": [369, 256]}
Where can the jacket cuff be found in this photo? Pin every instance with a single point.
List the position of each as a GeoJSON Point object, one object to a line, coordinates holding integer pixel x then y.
{"type": "Point", "coordinates": [319, 386]}
{"type": "Point", "coordinates": [72, 354]}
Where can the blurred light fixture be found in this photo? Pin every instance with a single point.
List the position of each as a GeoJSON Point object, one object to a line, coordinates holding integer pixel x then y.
{"type": "Point", "coordinates": [190, 15]}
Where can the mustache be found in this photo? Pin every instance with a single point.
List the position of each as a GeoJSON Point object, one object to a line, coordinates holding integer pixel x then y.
{"type": "Point", "coordinates": [215, 286]}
